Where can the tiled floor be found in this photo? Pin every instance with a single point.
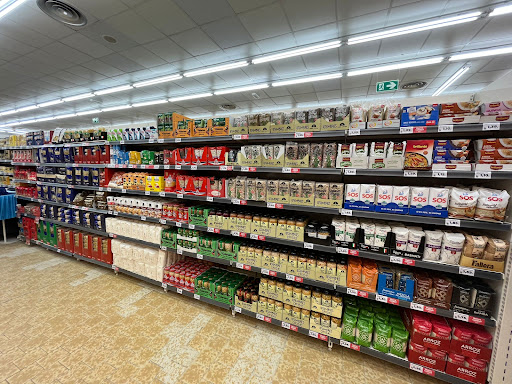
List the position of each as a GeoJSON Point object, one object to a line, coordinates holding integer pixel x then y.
{"type": "Point", "coordinates": [65, 321]}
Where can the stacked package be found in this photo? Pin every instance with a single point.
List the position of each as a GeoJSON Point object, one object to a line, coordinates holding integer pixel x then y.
{"type": "Point", "coordinates": [134, 229]}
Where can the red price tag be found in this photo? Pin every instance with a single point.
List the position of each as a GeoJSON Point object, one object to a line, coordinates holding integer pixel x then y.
{"type": "Point", "coordinates": [272, 273]}
{"type": "Point", "coordinates": [294, 328]}
{"type": "Point", "coordinates": [362, 294]}
{"type": "Point", "coordinates": [322, 337]}
{"type": "Point", "coordinates": [431, 310]}
{"type": "Point", "coordinates": [355, 347]}
{"type": "Point", "coordinates": [216, 230]}
{"type": "Point", "coordinates": [279, 206]}
{"type": "Point", "coordinates": [267, 319]}
{"type": "Point", "coordinates": [242, 234]}
{"type": "Point", "coordinates": [247, 267]}
{"type": "Point", "coordinates": [353, 252]}
{"type": "Point", "coordinates": [476, 320]}
{"type": "Point", "coordinates": [299, 279]}
{"type": "Point", "coordinates": [409, 262]}
{"type": "Point", "coordinates": [419, 129]}
{"type": "Point", "coordinates": [393, 301]}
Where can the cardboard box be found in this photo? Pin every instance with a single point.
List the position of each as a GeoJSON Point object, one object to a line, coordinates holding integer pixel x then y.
{"type": "Point", "coordinates": [201, 128]}
{"type": "Point", "coordinates": [496, 119]}
{"type": "Point", "coordinates": [219, 126]}
{"type": "Point", "coordinates": [465, 373]}
{"type": "Point", "coordinates": [459, 120]}
{"type": "Point", "coordinates": [420, 115]}
{"type": "Point", "coordinates": [470, 350]}
{"type": "Point", "coordinates": [308, 127]}
{"type": "Point", "coordinates": [489, 265]}
{"type": "Point", "coordinates": [426, 361]}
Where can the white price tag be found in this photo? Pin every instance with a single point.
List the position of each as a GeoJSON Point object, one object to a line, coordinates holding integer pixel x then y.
{"type": "Point", "coordinates": [417, 307]}
{"type": "Point", "coordinates": [115, 213]}
{"type": "Point", "coordinates": [345, 212]}
{"type": "Point", "coordinates": [235, 201]}
{"type": "Point", "coordinates": [466, 271]}
{"type": "Point", "coordinates": [290, 277]}
{"type": "Point", "coordinates": [410, 173]}
{"type": "Point", "coordinates": [163, 248]}
{"type": "Point", "coordinates": [193, 167]}
{"type": "Point", "coordinates": [151, 141]}
{"type": "Point", "coordinates": [164, 285]}
{"type": "Point", "coordinates": [239, 265]}
{"type": "Point", "coordinates": [313, 334]}
{"type": "Point", "coordinates": [254, 236]}
{"type": "Point", "coordinates": [109, 189]}
{"type": "Point", "coordinates": [350, 171]}
{"type": "Point", "coordinates": [259, 316]}
{"type": "Point", "coordinates": [271, 205]}
{"type": "Point", "coordinates": [179, 195]}
{"type": "Point", "coordinates": [416, 367]}
{"type": "Point", "coordinates": [177, 140]}
{"type": "Point", "coordinates": [382, 299]}
{"type": "Point", "coordinates": [177, 166]}
{"type": "Point", "coordinates": [197, 297]}
{"type": "Point", "coordinates": [199, 256]}
{"type": "Point", "coordinates": [342, 250]}
{"type": "Point", "coordinates": [121, 142]}
{"type": "Point", "coordinates": [244, 169]}
{"type": "Point", "coordinates": [352, 291]}
{"type": "Point", "coordinates": [237, 137]}
{"type": "Point", "coordinates": [192, 226]}
{"type": "Point", "coordinates": [354, 132]}
{"type": "Point", "coordinates": [441, 174]}
{"type": "Point", "coordinates": [163, 221]}
{"type": "Point", "coordinates": [460, 316]}
{"type": "Point", "coordinates": [161, 194]}
{"type": "Point", "coordinates": [491, 126]}
{"type": "Point", "coordinates": [452, 222]}
{"type": "Point", "coordinates": [286, 170]}
{"type": "Point", "coordinates": [179, 251]}
{"type": "Point", "coordinates": [235, 233]}
{"type": "Point", "coordinates": [123, 190]}
{"type": "Point", "coordinates": [265, 271]}
{"type": "Point", "coordinates": [396, 259]}
{"type": "Point", "coordinates": [238, 309]}
{"type": "Point", "coordinates": [179, 290]}
{"type": "Point", "coordinates": [405, 130]}
{"type": "Point", "coordinates": [308, 245]}
{"type": "Point", "coordinates": [210, 229]}
{"type": "Point", "coordinates": [209, 198]}
{"type": "Point", "coordinates": [445, 128]}
{"type": "Point", "coordinates": [483, 174]}
{"type": "Point", "coordinates": [59, 250]}
{"type": "Point", "coordinates": [285, 325]}
{"type": "Point", "coordinates": [178, 224]}
{"type": "Point", "coordinates": [299, 135]}
{"type": "Point", "coordinates": [345, 343]}
{"type": "Point", "coordinates": [143, 218]}
{"type": "Point", "coordinates": [160, 141]}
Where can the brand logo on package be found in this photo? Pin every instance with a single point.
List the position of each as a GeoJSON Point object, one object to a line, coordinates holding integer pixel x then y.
{"type": "Point", "coordinates": [465, 371]}
{"type": "Point", "coordinates": [470, 348]}
{"type": "Point", "coordinates": [431, 341]}
{"type": "Point", "coordinates": [427, 360]}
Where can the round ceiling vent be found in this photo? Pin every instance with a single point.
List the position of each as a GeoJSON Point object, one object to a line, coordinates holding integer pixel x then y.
{"type": "Point", "coordinates": [228, 107]}
{"type": "Point", "coordinates": [414, 85]}
{"type": "Point", "coordinates": [62, 12]}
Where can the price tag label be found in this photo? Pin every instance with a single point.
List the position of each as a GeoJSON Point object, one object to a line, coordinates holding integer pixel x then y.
{"type": "Point", "coordinates": [452, 222]}
{"type": "Point", "coordinates": [163, 248]}
{"type": "Point", "coordinates": [460, 316]}
{"type": "Point", "coordinates": [290, 277]}
{"type": "Point", "coordinates": [163, 221]}
{"type": "Point", "coordinates": [238, 309]}
{"type": "Point", "coordinates": [177, 140]}
{"type": "Point", "coordinates": [491, 126]}
{"type": "Point", "coordinates": [410, 173]}
{"type": "Point", "coordinates": [382, 299]}
{"type": "Point", "coordinates": [354, 132]}
{"type": "Point", "coordinates": [342, 250]}
{"type": "Point", "coordinates": [192, 226]}
{"type": "Point", "coordinates": [123, 190]}
{"type": "Point", "coordinates": [179, 195]}
{"type": "Point", "coordinates": [313, 334]}
{"type": "Point", "coordinates": [161, 194]}
{"type": "Point", "coordinates": [147, 193]}
{"type": "Point", "coordinates": [466, 271]}
{"type": "Point", "coordinates": [476, 320]}
{"type": "Point", "coordinates": [109, 189]}
{"type": "Point", "coordinates": [160, 141]}
{"type": "Point", "coordinates": [308, 245]}
{"type": "Point", "coordinates": [151, 141]}
{"type": "Point", "coordinates": [285, 325]}
{"type": "Point", "coordinates": [286, 170]}
{"type": "Point", "coordinates": [345, 343]}
{"type": "Point", "coordinates": [143, 218]}
{"type": "Point", "coordinates": [259, 316]}
{"type": "Point", "coordinates": [253, 236]}
{"type": "Point", "coordinates": [352, 291]}
{"type": "Point", "coordinates": [115, 213]}
{"type": "Point", "coordinates": [209, 198]}
{"type": "Point", "coordinates": [235, 233]}
{"type": "Point", "coordinates": [406, 130]}
{"type": "Point", "coordinates": [483, 174]}
{"type": "Point", "coordinates": [445, 128]}
{"type": "Point", "coordinates": [179, 251]}
{"type": "Point", "coordinates": [121, 142]}
{"type": "Point", "coordinates": [210, 229]}
{"type": "Point", "coordinates": [299, 135]}
{"type": "Point", "coordinates": [345, 212]}
{"type": "Point", "coordinates": [164, 285]}
{"type": "Point", "coordinates": [178, 224]}
{"type": "Point", "coordinates": [416, 367]}
{"type": "Point", "coordinates": [440, 174]}
{"type": "Point", "coordinates": [197, 297]}
{"type": "Point", "coordinates": [417, 307]}
{"type": "Point", "coordinates": [177, 166]}
{"type": "Point", "coordinates": [265, 271]}
{"type": "Point", "coordinates": [396, 260]}
{"type": "Point", "coordinates": [199, 256]}
{"type": "Point", "coordinates": [59, 250]}
{"type": "Point", "coordinates": [179, 290]}
{"type": "Point", "coordinates": [131, 166]}
{"type": "Point", "coordinates": [271, 205]}
{"type": "Point", "coordinates": [350, 171]}
{"type": "Point", "coordinates": [239, 265]}
{"type": "Point", "coordinates": [244, 169]}
{"type": "Point", "coordinates": [223, 168]}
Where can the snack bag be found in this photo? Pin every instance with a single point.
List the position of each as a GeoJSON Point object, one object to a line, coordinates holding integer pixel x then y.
{"type": "Point", "coordinates": [399, 338]}
{"type": "Point", "coordinates": [364, 332]}
{"type": "Point", "coordinates": [382, 336]}
{"type": "Point", "coordinates": [348, 327]}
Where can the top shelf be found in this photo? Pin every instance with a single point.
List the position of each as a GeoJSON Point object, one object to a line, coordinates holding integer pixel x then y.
{"type": "Point", "coordinates": [403, 132]}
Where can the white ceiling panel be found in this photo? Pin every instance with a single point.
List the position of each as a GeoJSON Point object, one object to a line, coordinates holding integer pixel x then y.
{"type": "Point", "coordinates": [21, 32]}
{"type": "Point", "coordinates": [235, 76]}
{"type": "Point", "coordinates": [85, 73]}
{"type": "Point", "coordinates": [264, 102]}
{"type": "Point", "coordinates": [497, 63]}
{"type": "Point", "coordinates": [486, 77]}
{"type": "Point", "coordinates": [102, 68]}
{"type": "Point", "coordinates": [86, 45]}
{"type": "Point", "coordinates": [122, 63]}
{"type": "Point", "coordinates": [498, 28]}
{"type": "Point", "coordinates": [62, 51]}
{"type": "Point", "coordinates": [98, 30]}
{"type": "Point", "coordinates": [165, 15]}
{"type": "Point", "coordinates": [327, 85]}
{"type": "Point", "coordinates": [305, 97]}
{"type": "Point", "coordinates": [283, 100]}
{"type": "Point", "coordinates": [228, 32]}
{"type": "Point", "coordinates": [203, 12]}
{"type": "Point", "coordinates": [290, 65]}
{"type": "Point", "coordinates": [446, 39]}
{"type": "Point", "coordinates": [244, 5]}
{"type": "Point", "coordinates": [40, 23]}
{"type": "Point", "coordinates": [405, 46]}
{"type": "Point", "coordinates": [301, 88]}
{"type": "Point", "coordinates": [317, 34]}
{"type": "Point", "coordinates": [363, 24]}
{"type": "Point", "coordinates": [303, 14]}
{"type": "Point", "coordinates": [329, 95]}
{"type": "Point", "coordinates": [273, 19]}
{"type": "Point", "coordinates": [15, 46]}
{"type": "Point", "coordinates": [277, 43]}
{"type": "Point", "coordinates": [354, 92]}
{"type": "Point", "coordinates": [195, 42]}
{"type": "Point", "coordinates": [144, 57]}
{"type": "Point", "coordinates": [212, 58]}
{"type": "Point", "coordinates": [6, 55]}
{"type": "Point", "coordinates": [415, 11]}
{"type": "Point", "coordinates": [355, 81]}
{"type": "Point", "coordinates": [136, 28]}
{"type": "Point", "coordinates": [426, 72]}
{"type": "Point", "coordinates": [277, 92]}
{"type": "Point", "coordinates": [101, 9]}
{"type": "Point", "coordinates": [167, 50]}
{"type": "Point", "coordinates": [349, 8]}
{"type": "Point", "coordinates": [243, 50]}
{"type": "Point", "coordinates": [324, 60]}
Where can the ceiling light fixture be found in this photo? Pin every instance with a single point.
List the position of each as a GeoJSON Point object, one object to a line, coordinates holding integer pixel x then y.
{"type": "Point", "coordinates": [27, 121]}
{"type": "Point", "coordinates": [78, 97]}
{"type": "Point", "coordinates": [241, 89]}
{"type": "Point", "coordinates": [46, 119]}
{"type": "Point", "coordinates": [7, 6]}
{"type": "Point", "coordinates": [27, 108]}
{"type": "Point", "coordinates": [308, 79]}
{"type": "Point", "coordinates": [48, 103]}
{"type": "Point", "coordinates": [64, 116]}
{"type": "Point", "coordinates": [158, 80]}
{"type": "Point", "coordinates": [483, 53]}
{"type": "Point", "coordinates": [154, 102]}
{"type": "Point", "coordinates": [452, 79]}
{"type": "Point", "coordinates": [297, 52]}
{"type": "Point", "coordinates": [444, 22]}
{"type": "Point", "coordinates": [116, 108]}
{"type": "Point", "coordinates": [113, 90]}
{"type": "Point", "coordinates": [89, 112]}
{"type": "Point", "coordinates": [217, 68]}
{"type": "Point", "coordinates": [501, 10]}
{"type": "Point", "coordinates": [9, 112]}
{"type": "Point", "coordinates": [407, 64]}
{"type": "Point", "coordinates": [198, 96]}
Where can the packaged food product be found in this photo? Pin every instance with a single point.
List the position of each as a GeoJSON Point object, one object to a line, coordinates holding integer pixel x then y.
{"type": "Point", "coordinates": [402, 237]}
{"type": "Point", "coordinates": [357, 113]}
{"type": "Point", "coordinates": [367, 195]}
{"type": "Point", "coordinates": [401, 196]}
{"type": "Point", "coordinates": [496, 250]}
{"type": "Point", "coordinates": [414, 240]}
{"type": "Point", "coordinates": [497, 108]}
{"type": "Point", "coordinates": [433, 241]}
{"type": "Point", "coordinates": [376, 113]}
{"type": "Point", "coordinates": [381, 233]}
{"type": "Point", "coordinates": [393, 112]}
{"type": "Point", "coordinates": [420, 115]}
{"type": "Point", "coordinates": [438, 198]}
{"type": "Point", "coordinates": [315, 158]}
{"type": "Point", "coordinates": [418, 154]}
{"type": "Point", "coordinates": [474, 246]}
{"type": "Point", "coordinates": [462, 203]}
{"type": "Point", "coordinates": [353, 192]}
{"type": "Point", "coordinates": [419, 196]}
{"type": "Point", "coordinates": [491, 205]}
{"type": "Point", "coordinates": [452, 247]}
{"type": "Point", "coordinates": [384, 194]}
{"type": "Point", "coordinates": [329, 155]}
{"type": "Point", "coordinates": [463, 108]}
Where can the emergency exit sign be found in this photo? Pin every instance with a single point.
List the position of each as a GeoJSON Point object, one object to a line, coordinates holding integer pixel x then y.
{"type": "Point", "coordinates": [386, 86]}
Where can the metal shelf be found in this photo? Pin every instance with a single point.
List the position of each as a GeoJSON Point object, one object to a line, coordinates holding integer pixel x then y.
{"type": "Point", "coordinates": [184, 292]}
{"type": "Point", "coordinates": [137, 276]}
{"type": "Point", "coordinates": [438, 174]}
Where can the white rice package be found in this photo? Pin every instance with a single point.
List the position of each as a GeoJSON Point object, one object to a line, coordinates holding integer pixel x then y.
{"type": "Point", "coordinates": [419, 196]}
{"type": "Point", "coordinates": [384, 194]}
{"type": "Point", "coordinates": [401, 196]}
{"type": "Point", "coordinates": [402, 236]}
{"type": "Point", "coordinates": [352, 192]}
{"type": "Point", "coordinates": [368, 193]}
{"type": "Point", "coordinates": [462, 203]}
{"type": "Point", "coordinates": [433, 242]}
{"type": "Point", "coordinates": [453, 243]}
{"type": "Point", "coordinates": [491, 205]}
{"type": "Point", "coordinates": [414, 240]}
{"type": "Point", "coordinates": [381, 233]}
{"type": "Point", "coordinates": [438, 198]}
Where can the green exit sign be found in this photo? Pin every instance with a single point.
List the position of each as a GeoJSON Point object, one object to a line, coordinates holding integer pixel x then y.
{"type": "Point", "coordinates": [386, 86]}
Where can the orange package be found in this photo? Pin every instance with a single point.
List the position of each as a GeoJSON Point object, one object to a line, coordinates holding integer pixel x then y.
{"type": "Point", "coordinates": [362, 274]}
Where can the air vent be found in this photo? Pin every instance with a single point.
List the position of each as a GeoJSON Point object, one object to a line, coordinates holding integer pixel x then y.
{"type": "Point", "coordinates": [228, 107]}
{"type": "Point", "coordinates": [62, 12]}
{"type": "Point", "coordinates": [414, 85]}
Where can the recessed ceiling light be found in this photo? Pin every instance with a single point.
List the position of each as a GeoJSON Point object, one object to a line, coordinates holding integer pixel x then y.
{"type": "Point", "coordinates": [158, 80]}
{"type": "Point", "coordinates": [198, 96]}
{"type": "Point", "coordinates": [217, 68]}
{"type": "Point", "coordinates": [241, 89]}
{"type": "Point", "coordinates": [110, 39]}
{"type": "Point", "coordinates": [89, 112]}
{"type": "Point", "coordinates": [481, 53]}
{"type": "Point", "coordinates": [297, 52]}
{"type": "Point", "coordinates": [501, 10]}
{"type": "Point", "coordinates": [452, 79]}
{"type": "Point", "coordinates": [112, 90]}
{"type": "Point", "coordinates": [48, 103]}
{"type": "Point", "coordinates": [78, 97]}
{"type": "Point", "coordinates": [7, 6]}
{"type": "Point", "coordinates": [27, 108]}
{"type": "Point", "coordinates": [116, 108]}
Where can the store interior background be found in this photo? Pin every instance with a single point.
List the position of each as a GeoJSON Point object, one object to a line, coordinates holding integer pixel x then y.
{"type": "Point", "coordinates": [42, 59]}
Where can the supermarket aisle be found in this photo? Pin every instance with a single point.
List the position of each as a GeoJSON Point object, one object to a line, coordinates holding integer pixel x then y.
{"type": "Point", "coordinates": [67, 321]}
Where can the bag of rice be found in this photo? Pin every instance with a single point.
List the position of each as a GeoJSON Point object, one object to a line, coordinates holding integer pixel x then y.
{"type": "Point", "coordinates": [414, 240]}
{"type": "Point", "coordinates": [452, 247]}
{"type": "Point", "coordinates": [462, 203]}
{"type": "Point", "coordinates": [401, 196]}
{"type": "Point", "coordinates": [475, 246]}
{"type": "Point", "coordinates": [364, 332]}
{"type": "Point", "coordinates": [382, 336]}
{"type": "Point", "coordinates": [438, 198]}
{"type": "Point", "coordinates": [348, 327]}
{"type": "Point", "coordinates": [496, 250]}
{"type": "Point", "coordinates": [384, 194]}
{"type": "Point", "coordinates": [399, 338]}
{"type": "Point", "coordinates": [419, 197]}
{"type": "Point", "coordinates": [433, 241]}
{"type": "Point", "coordinates": [491, 205]}
{"type": "Point", "coordinates": [402, 236]}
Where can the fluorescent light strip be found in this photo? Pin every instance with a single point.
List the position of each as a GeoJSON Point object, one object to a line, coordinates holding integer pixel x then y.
{"type": "Point", "coordinates": [482, 53]}
{"type": "Point", "coordinates": [217, 68]}
{"type": "Point", "coordinates": [89, 112]}
{"type": "Point", "coordinates": [198, 96]}
{"type": "Point", "coordinates": [501, 10]}
{"type": "Point", "coordinates": [64, 116]}
{"type": "Point", "coordinates": [28, 108]}
{"type": "Point", "coordinates": [241, 89]}
{"type": "Point", "coordinates": [113, 90]}
{"type": "Point", "coordinates": [297, 52]}
{"type": "Point", "coordinates": [78, 97]}
{"type": "Point", "coordinates": [159, 80]}
{"type": "Point", "coordinates": [116, 108]}
{"type": "Point", "coordinates": [154, 102]}
{"type": "Point", "coordinates": [452, 79]}
{"type": "Point", "coordinates": [46, 119]}
{"type": "Point", "coordinates": [48, 103]}
{"type": "Point", "coordinates": [307, 79]}
{"type": "Point", "coordinates": [7, 6]}
{"type": "Point", "coordinates": [9, 112]}
{"type": "Point", "coordinates": [407, 64]}
{"type": "Point", "coordinates": [415, 28]}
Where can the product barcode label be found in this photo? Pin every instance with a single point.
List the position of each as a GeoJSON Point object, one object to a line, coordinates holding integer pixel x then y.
{"type": "Point", "coordinates": [308, 245]}
{"type": "Point", "coordinates": [199, 256]}
{"type": "Point", "coordinates": [179, 290]}
{"type": "Point", "coordinates": [410, 173]}
{"type": "Point", "coordinates": [452, 222]}
{"type": "Point", "coordinates": [382, 299]}
{"type": "Point", "coordinates": [259, 316]}
{"type": "Point", "coordinates": [179, 251]}
{"type": "Point", "coordinates": [209, 198]}
{"type": "Point", "coordinates": [177, 140]}
{"type": "Point", "coordinates": [442, 174]}
{"type": "Point", "coordinates": [483, 174]}
{"type": "Point", "coordinates": [265, 271]}
{"type": "Point", "coordinates": [178, 224]}
{"type": "Point", "coordinates": [417, 307]}
{"type": "Point", "coordinates": [405, 130]}
{"type": "Point", "coordinates": [354, 132]}
{"type": "Point", "coordinates": [445, 128]}
{"type": "Point", "coordinates": [192, 226]}
{"type": "Point", "coordinates": [491, 126]}
{"type": "Point", "coordinates": [179, 195]}
{"type": "Point", "coordinates": [143, 218]}
{"type": "Point", "coordinates": [161, 194]}
{"type": "Point", "coordinates": [238, 309]}
{"type": "Point", "coordinates": [350, 171]}
{"type": "Point", "coordinates": [345, 212]}
{"type": "Point", "coordinates": [193, 167]}
{"type": "Point", "coordinates": [352, 291]}
{"type": "Point", "coordinates": [197, 297]}
{"type": "Point", "coordinates": [466, 271]}
{"type": "Point", "coordinates": [460, 316]}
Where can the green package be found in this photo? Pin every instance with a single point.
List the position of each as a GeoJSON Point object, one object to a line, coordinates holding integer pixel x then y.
{"type": "Point", "coordinates": [399, 339]}
{"type": "Point", "coordinates": [348, 327]}
{"type": "Point", "coordinates": [382, 336]}
{"type": "Point", "coordinates": [383, 317]}
{"type": "Point", "coordinates": [364, 332]}
{"type": "Point", "coordinates": [396, 323]}
{"type": "Point", "coordinates": [351, 310]}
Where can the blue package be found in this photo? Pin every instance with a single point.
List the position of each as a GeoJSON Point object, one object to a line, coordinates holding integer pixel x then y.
{"type": "Point", "coordinates": [86, 176]}
{"type": "Point", "coordinates": [78, 176]}
{"type": "Point", "coordinates": [451, 156]}
{"type": "Point", "coordinates": [58, 155]}
{"type": "Point", "coordinates": [420, 115]}
{"type": "Point", "coordinates": [451, 145]}
{"type": "Point", "coordinates": [70, 172]}
{"type": "Point", "coordinates": [67, 154]}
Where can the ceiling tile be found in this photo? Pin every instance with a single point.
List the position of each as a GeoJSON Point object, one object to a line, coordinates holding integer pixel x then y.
{"type": "Point", "coordinates": [61, 51]}
{"type": "Point", "coordinates": [363, 24]}
{"type": "Point", "coordinates": [22, 32]}
{"type": "Point", "coordinates": [244, 5]}
{"type": "Point", "coordinates": [305, 97]}
{"type": "Point", "coordinates": [244, 50]}
{"type": "Point", "coordinates": [349, 8]}
{"type": "Point", "coordinates": [355, 56]}
{"type": "Point", "coordinates": [203, 12]}
{"type": "Point", "coordinates": [355, 81]}
{"type": "Point", "coordinates": [41, 23]}
{"type": "Point", "coordinates": [260, 72]}
{"type": "Point", "coordinates": [317, 34]}
{"type": "Point", "coordinates": [86, 73]}
{"type": "Point", "coordinates": [276, 92]}
{"type": "Point", "coordinates": [329, 95]}
{"type": "Point", "coordinates": [187, 64]}
{"type": "Point", "coordinates": [329, 59]}
{"type": "Point", "coordinates": [213, 58]}
{"type": "Point", "coordinates": [165, 15]}
{"type": "Point", "coordinates": [403, 47]}
{"type": "Point", "coordinates": [446, 39]}
{"type": "Point", "coordinates": [487, 77]}
{"type": "Point", "coordinates": [273, 18]}
{"type": "Point", "coordinates": [136, 28]}
{"type": "Point", "coordinates": [425, 72]}
{"type": "Point", "coordinates": [122, 63]}
{"type": "Point", "coordinates": [195, 41]}
{"type": "Point", "coordinates": [415, 12]}
{"type": "Point", "coordinates": [86, 45]}
{"type": "Point", "coordinates": [290, 67]}
{"type": "Point", "coordinates": [100, 8]}
{"type": "Point", "coordinates": [6, 55]}
{"type": "Point", "coordinates": [102, 68]}
{"type": "Point", "coordinates": [77, 80]}
{"type": "Point", "coordinates": [354, 92]}
{"type": "Point", "coordinates": [318, 12]}
{"type": "Point", "coordinates": [143, 57]}
{"type": "Point", "coordinates": [280, 100]}
{"type": "Point", "coordinates": [300, 88]}
{"type": "Point", "coordinates": [167, 50]}
{"type": "Point", "coordinates": [498, 28]}
{"type": "Point", "coordinates": [497, 63]}
{"type": "Point", "coordinates": [264, 102]}
{"type": "Point", "coordinates": [327, 85]}
{"type": "Point", "coordinates": [15, 46]}
{"type": "Point", "coordinates": [228, 32]}
{"type": "Point", "coordinates": [48, 59]}
{"type": "Point", "coordinates": [98, 30]}
{"type": "Point", "coordinates": [277, 43]}
{"type": "Point", "coordinates": [234, 76]}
